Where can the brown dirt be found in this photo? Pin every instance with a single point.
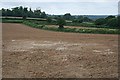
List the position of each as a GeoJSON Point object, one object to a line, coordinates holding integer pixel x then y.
{"type": "Point", "coordinates": [34, 53]}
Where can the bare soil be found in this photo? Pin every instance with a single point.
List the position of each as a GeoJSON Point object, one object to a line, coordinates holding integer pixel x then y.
{"type": "Point", "coordinates": [35, 53]}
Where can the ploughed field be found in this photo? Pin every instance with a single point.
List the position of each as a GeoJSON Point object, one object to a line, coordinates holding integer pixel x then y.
{"type": "Point", "coordinates": [35, 53]}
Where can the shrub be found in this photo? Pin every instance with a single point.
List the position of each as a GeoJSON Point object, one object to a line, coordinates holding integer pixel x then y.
{"type": "Point", "coordinates": [100, 21]}
{"type": "Point", "coordinates": [49, 20]}
{"type": "Point", "coordinates": [61, 22]}
{"type": "Point", "coordinates": [75, 20]}
{"type": "Point", "coordinates": [109, 17]}
{"type": "Point", "coordinates": [112, 22]}
{"type": "Point", "coordinates": [12, 21]}
{"type": "Point", "coordinates": [40, 26]}
{"type": "Point", "coordinates": [118, 20]}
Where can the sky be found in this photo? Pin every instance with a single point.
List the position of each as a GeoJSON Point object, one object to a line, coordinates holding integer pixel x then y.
{"type": "Point", "coordinates": [60, 7]}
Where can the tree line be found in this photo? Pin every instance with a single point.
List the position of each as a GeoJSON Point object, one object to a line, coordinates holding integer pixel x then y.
{"type": "Point", "coordinates": [111, 21]}
{"type": "Point", "coordinates": [28, 12]}
{"type": "Point", "coordinates": [23, 12]}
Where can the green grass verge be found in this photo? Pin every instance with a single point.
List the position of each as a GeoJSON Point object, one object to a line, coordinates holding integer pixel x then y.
{"type": "Point", "coordinates": [11, 21]}
{"type": "Point", "coordinates": [92, 25]}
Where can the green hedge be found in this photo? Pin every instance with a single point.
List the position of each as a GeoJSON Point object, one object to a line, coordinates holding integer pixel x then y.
{"type": "Point", "coordinates": [75, 30]}
{"type": "Point", "coordinates": [12, 21]}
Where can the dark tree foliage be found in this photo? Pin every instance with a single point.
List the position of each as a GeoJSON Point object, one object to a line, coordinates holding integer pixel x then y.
{"type": "Point", "coordinates": [113, 22]}
{"type": "Point", "coordinates": [110, 21]}
{"type": "Point", "coordinates": [100, 21]}
{"type": "Point", "coordinates": [81, 19]}
{"type": "Point", "coordinates": [75, 20]}
{"type": "Point", "coordinates": [86, 19]}
{"type": "Point", "coordinates": [43, 15]}
{"type": "Point", "coordinates": [61, 22]}
{"type": "Point", "coordinates": [0, 12]}
{"type": "Point", "coordinates": [30, 13]}
{"type": "Point", "coordinates": [16, 12]}
{"type": "Point", "coordinates": [4, 12]}
{"type": "Point", "coordinates": [37, 13]}
{"type": "Point", "coordinates": [8, 12]}
{"type": "Point", "coordinates": [23, 12]}
{"type": "Point", "coordinates": [67, 16]}
{"type": "Point", "coordinates": [118, 18]}
{"type": "Point", "coordinates": [110, 17]}
{"type": "Point", "coordinates": [49, 19]}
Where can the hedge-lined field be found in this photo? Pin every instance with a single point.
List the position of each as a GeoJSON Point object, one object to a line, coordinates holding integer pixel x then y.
{"type": "Point", "coordinates": [42, 25]}
{"type": "Point", "coordinates": [75, 30]}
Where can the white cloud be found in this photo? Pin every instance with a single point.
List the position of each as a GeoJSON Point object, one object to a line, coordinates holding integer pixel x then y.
{"type": "Point", "coordinates": [101, 8]}
{"type": "Point", "coordinates": [59, 0]}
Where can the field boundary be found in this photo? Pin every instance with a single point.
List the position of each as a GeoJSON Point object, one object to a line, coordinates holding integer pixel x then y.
{"type": "Point", "coordinates": [74, 30]}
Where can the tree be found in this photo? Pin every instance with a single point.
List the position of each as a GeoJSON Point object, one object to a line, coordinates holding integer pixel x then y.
{"type": "Point", "coordinates": [3, 12]}
{"type": "Point", "coordinates": [43, 15]}
{"type": "Point", "coordinates": [25, 13]}
{"type": "Point", "coordinates": [61, 22]}
{"type": "Point", "coordinates": [80, 19]}
{"type": "Point", "coordinates": [75, 20]}
{"type": "Point", "coordinates": [49, 20]}
{"type": "Point", "coordinates": [0, 12]}
{"type": "Point", "coordinates": [37, 13]}
{"type": "Point", "coordinates": [9, 12]}
{"type": "Point", "coordinates": [118, 18]}
{"type": "Point", "coordinates": [16, 12]}
{"type": "Point", "coordinates": [100, 21]}
{"type": "Point", "coordinates": [67, 16]}
{"type": "Point", "coordinates": [110, 17]}
{"type": "Point", "coordinates": [30, 13]}
{"type": "Point", "coordinates": [113, 22]}
{"type": "Point", "coordinates": [21, 11]}
{"type": "Point", "coordinates": [86, 19]}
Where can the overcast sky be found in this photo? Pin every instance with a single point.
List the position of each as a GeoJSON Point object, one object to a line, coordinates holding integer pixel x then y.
{"type": "Point", "coordinates": [75, 7]}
